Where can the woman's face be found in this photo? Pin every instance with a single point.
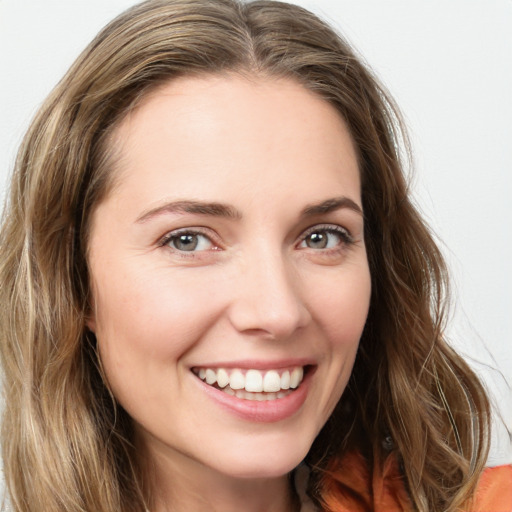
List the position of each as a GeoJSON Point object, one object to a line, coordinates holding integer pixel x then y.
{"type": "Point", "coordinates": [228, 259]}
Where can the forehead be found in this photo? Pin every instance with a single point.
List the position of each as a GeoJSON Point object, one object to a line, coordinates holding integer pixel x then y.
{"type": "Point", "coordinates": [199, 134]}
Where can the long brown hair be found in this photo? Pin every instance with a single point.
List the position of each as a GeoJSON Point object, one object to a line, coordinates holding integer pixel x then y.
{"type": "Point", "coordinates": [66, 445]}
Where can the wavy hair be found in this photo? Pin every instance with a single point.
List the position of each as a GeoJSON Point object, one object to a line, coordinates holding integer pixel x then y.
{"type": "Point", "coordinates": [66, 445]}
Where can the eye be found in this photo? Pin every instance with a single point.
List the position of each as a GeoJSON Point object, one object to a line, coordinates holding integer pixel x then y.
{"type": "Point", "coordinates": [325, 237]}
{"type": "Point", "coordinates": [188, 241]}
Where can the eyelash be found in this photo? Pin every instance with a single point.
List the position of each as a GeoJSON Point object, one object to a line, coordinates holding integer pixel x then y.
{"type": "Point", "coordinates": [175, 235]}
{"type": "Point", "coordinates": [344, 235]}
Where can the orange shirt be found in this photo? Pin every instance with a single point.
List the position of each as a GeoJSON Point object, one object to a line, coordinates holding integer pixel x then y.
{"type": "Point", "coordinates": [384, 491]}
{"type": "Point", "coordinates": [494, 492]}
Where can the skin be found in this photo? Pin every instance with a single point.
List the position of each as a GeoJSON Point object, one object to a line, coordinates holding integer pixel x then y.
{"type": "Point", "coordinates": [255, 288]}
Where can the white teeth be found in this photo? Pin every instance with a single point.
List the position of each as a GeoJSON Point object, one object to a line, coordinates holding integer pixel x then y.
{"type": "Point", "coordinates": [296, 377]}
{"type": "Point", "coordinates": [255, 397]}
{"type": "Point", "coordinates": [222, 378]}
{"type": "Point", "coordinates": [285, 380]}
{"type": "Point", "coordinates": [272, 382]}
{"type": "Point", "coordinates": [254, 381]}
{"type": "Point", "coordinates": [253, 384]}
{"type": "Point", "coordinates": [211, 377]}
{"type": "Point", "coordinates": [237, 380]}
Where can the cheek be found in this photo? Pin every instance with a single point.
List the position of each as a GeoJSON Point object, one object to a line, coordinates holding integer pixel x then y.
{"type": "Point", "coordinates": [145, 323]}
{"type": "Point", "coordinates": [342, 306]}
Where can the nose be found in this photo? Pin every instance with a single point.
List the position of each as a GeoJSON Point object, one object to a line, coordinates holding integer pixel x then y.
{"type": "Point", "coordinates": [268, 301]}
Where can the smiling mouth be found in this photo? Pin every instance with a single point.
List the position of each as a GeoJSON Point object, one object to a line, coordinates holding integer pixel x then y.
{"type": "Point", "coordinates": [251, 384]}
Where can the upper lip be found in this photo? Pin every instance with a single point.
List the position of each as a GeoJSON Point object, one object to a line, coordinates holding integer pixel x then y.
{"type": "Point", "coordinates": [258, 364]}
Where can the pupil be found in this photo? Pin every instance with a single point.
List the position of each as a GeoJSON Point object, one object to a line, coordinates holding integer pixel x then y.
{"type": "Point", "coordinates": [186, 242]}
{"type": "Point", "coordinates": [317, 240]}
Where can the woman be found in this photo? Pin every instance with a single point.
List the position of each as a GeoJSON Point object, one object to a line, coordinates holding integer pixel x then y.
{"type": "Point", "coordinates": [211, 270]}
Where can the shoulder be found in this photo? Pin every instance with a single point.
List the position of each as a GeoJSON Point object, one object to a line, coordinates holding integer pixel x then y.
{"type": "Point", "coordinates": [355, 487]}
{"type": "Point", "coordinates": [494, 490]}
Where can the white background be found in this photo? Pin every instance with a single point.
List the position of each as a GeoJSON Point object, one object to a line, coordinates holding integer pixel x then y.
{"type": "Point", "coordinates": [448, 63]}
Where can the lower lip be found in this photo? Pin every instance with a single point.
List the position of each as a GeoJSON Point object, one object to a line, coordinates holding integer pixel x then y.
{"type": "Point", "coordinates": [263, 412]}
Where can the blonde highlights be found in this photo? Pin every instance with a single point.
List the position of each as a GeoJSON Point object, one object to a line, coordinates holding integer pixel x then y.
{"type": "Point", "coordinates": [66, 445]}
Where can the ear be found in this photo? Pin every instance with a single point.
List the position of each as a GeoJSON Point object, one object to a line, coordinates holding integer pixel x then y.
{"type": "Point", "coordinates": [90, 323]}
{"type": "Point", "coordinates": [90, 316]}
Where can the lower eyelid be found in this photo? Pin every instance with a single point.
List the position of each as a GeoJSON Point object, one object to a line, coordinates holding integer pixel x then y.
{"type": "Point", "coordinates": [174, 235]}
{"type": "Point", "coordinates": [345, 237]}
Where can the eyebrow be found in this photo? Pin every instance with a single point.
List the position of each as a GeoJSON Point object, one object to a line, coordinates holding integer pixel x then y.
{"type": "Point", "coordinates": [227, 211]}
{"type": "Point", "coordinates": [330, 205]}
{"type": "Point", "coordinates": [196, 207]}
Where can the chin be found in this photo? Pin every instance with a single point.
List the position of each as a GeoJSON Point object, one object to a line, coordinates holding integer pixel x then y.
{"type": "Point", "coordinates": [268, 461]}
